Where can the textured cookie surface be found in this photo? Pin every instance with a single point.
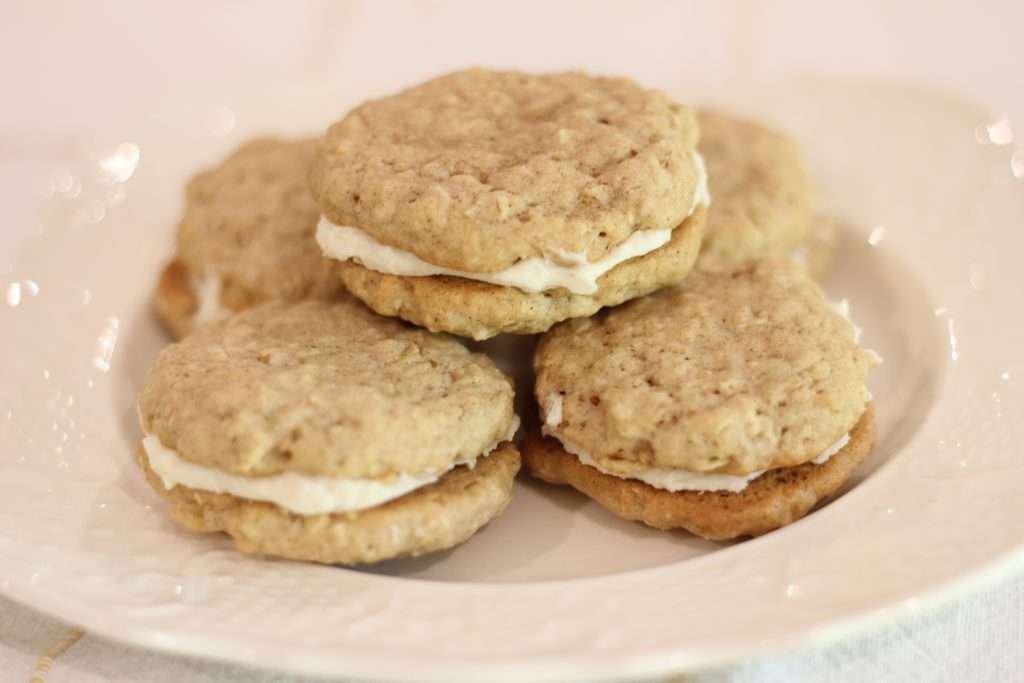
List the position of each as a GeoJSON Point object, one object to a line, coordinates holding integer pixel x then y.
{"type": "Point", "coordinates": [431, 518]}
{"type": "Point", "coordinates": [479, 310]}
{"type": "Point", "coordinates": [324, 388]}
{"type": "Point", "coordinates": [479, 169]}
{"type": "Point", "coordinates": [774, 499]}
{"type": "Point", "coordinates": [760, 197]}
{"type": "Point", "coordinates": [728, 373]}
{"type": "Point", "coordinates": [251, 221]}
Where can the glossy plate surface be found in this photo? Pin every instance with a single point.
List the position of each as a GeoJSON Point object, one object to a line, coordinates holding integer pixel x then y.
{"type": "Point", "coordinates": [556, 588]}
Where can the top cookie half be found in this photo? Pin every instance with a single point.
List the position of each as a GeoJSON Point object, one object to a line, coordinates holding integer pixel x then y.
{"type": "Point", "coordinates": [761, 190]}
{"type": "Point", "coordinates": [730, 373]}
{"type": "Point", "coordinates": [479, 170]}
{"type": "Point", "coordinates": [325, 389]}
{"type": "Point", "coordinates": [250, 221]}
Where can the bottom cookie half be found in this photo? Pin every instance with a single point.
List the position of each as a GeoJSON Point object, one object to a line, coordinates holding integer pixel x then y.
{"type": "Point", "coordinates": [775, 499]}
{"type": "Point", "coordinates": [435, 517]}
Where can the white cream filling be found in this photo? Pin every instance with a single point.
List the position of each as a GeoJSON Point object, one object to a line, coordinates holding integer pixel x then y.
{"type": "Point", "coordinates": [702, 193]}
{"type": "Point", "coordinates": [842, 307]}
{"type": "Point", "coordinates": [671, 479]}
{"type": "Point", "coordinates": [302, 494]}
{"type": "Point", "coordinates": [207, 292]}
{"type": "Point", "coordinates": [570, 270]}
{"type": "Point", "coordinates": [553, 411]}
{"type": "Point", "coordinates": [823, 457]}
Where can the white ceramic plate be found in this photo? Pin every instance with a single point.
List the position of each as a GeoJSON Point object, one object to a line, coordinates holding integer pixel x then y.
{"type": "Point", "coordinates": [556, 588]}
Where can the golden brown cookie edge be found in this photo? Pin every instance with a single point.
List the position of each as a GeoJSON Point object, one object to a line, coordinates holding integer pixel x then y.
{"type": "Point", "coordinates": [433, 518]}
{"type": "Point", "coordinates": [777, 498]}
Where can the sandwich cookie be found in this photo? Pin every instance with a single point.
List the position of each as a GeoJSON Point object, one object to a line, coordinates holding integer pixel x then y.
{"type": "Point", "coordinates": [484, 202]}
{"type": "Point", "coordinates": [728, 406]}
{"type": "Point", "coordinates": [761, 191]}
{"type": "Point", "coordinates": [246, 237]}
{"type": "Point", "coordinates": [320, 431]}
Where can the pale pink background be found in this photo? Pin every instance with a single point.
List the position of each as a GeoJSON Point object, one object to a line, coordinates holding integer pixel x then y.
{"type": "Point", "coordinates": [74, 68]}
{"type": "Point", "coordinates": [64, 65]}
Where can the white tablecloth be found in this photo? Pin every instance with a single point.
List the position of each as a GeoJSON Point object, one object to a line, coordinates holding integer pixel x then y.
{"type": "Point", "coordinates": [976, 639]}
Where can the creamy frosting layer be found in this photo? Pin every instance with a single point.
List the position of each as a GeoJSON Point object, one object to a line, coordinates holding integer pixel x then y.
{"type": "Point", "coordinates": [569, 270]}
{"type": "Point", "coordinates": [842, 307]}
{"type": "Point", "coordinates": [302, 494]}
{"type": "Point", "coordinates": [207, 292]}
{"type": "Point", "coordinates": [670, 479]}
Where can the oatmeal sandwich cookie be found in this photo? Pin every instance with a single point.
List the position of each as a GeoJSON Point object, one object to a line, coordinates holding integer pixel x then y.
{"type": "Point", "coordinates": [484, 202]}
{"type": "Point", "coordinates": [320, 431]}
{"type": "Point", "coordinates": [247, 236]}
{"type": "Point", "coordinates": [761, 191]}
{"type": "Point", "coordinates": [728, 406]}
